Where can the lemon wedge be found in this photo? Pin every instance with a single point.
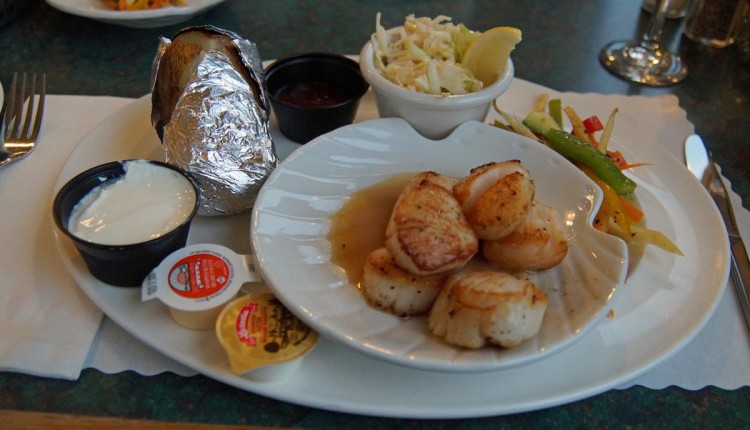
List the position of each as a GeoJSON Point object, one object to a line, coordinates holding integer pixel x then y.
{"type": "Point", "coordinates": [487, 56]}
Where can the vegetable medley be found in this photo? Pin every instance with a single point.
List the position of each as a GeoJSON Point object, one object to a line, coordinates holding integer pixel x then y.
{"type": "Point", "coordinates": [587, 146]}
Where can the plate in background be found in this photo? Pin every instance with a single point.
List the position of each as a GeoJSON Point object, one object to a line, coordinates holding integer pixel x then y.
{"type": "Point", "coordinates": [96, 10]}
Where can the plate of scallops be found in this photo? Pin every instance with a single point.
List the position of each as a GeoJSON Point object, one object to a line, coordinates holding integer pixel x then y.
{"type": "Point", "coordinates": [471, 253]}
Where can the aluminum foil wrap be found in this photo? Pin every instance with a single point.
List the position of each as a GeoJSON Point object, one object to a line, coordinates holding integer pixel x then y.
{"type": "Point", "coordinates": [218, 131]}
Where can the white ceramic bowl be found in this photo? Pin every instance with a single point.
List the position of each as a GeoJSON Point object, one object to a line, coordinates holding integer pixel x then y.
{"type": "Point", "coordinates": [434, 117]}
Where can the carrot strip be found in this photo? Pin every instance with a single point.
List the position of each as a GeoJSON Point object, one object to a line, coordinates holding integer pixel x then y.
{"type": "Point", "coordinates": [631, 211]}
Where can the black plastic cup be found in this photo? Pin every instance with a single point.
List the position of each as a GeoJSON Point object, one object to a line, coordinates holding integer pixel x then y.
{"type": "Point", "coordinates": [304, 122]}
{"type": "Point", "coordinates": [119, 265]}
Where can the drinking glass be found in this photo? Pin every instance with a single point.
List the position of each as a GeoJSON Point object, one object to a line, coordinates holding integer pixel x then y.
{"type": "Point", "coordinates": [645, 61]}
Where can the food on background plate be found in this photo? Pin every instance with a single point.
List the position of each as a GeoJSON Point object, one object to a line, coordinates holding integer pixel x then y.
{"type": "Point", "coordinates": [141, 4]}
{"type": "Point", "coordinates": [427, 208]}
{"type": "Point", "coordinates": [587, 146]}
{"type": "Point", "coordinates": [211, 110]}
{"type": "Point", "coordinates": [435, 56]}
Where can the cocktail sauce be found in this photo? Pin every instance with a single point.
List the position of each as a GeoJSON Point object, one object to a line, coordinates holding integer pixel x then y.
{"type": "Point", "coordinates": [312, 94]}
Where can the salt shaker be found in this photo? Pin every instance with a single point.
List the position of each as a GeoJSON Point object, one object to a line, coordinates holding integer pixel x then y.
{"type": "Point", "coordinates": [714, 22]}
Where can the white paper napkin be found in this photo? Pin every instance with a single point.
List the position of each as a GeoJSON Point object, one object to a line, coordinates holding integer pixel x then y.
{"type": "Point", "coordinates": [48, 323]}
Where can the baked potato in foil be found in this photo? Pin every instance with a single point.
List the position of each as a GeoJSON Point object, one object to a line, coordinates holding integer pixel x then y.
{"type": "Point", "coordinates": [211, 110]}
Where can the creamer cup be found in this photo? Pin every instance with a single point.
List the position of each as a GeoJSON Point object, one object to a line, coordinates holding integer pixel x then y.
{"type": "Point", "coordinates": [263, 340]}
{"type": "Point", "coordinates": [196, 282]}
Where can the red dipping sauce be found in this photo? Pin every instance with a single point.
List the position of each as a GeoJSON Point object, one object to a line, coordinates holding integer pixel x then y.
{"type": "Point", "coordinates": [312, 94]}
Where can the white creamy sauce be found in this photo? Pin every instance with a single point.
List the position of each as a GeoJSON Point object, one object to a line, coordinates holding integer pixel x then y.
{"type": "Point", "coordinates": [145, 203]}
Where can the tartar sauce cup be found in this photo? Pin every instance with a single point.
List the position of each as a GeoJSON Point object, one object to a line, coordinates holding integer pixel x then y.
{"type": "Point", "coordinates": [126, 263]}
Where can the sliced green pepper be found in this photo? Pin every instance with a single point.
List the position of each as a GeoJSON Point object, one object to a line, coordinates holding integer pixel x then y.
{"type": "Point", "coordinates": [555, 111]}
{"type": "Point", "coordinates": [576, 149]}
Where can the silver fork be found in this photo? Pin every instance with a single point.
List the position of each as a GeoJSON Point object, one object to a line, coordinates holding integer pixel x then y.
{"type": "Point", "coordinates": [21, 131]}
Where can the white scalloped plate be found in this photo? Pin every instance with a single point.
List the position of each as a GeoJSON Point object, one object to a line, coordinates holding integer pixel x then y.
{"type": "Point", "coordinates": [291, 219]}
{"type": "Point", "coordinates": [664, 303]}
{"type": "Point", "coordinates": [152, 18]}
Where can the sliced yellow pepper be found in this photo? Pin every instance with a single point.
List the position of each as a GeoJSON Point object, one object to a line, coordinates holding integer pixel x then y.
{"type": "Point", "coordinates": [578, 129]}
{"type": "Point", "coordinates": [653, 237]}
{"type": "Point", "coordinates": [611, 210]}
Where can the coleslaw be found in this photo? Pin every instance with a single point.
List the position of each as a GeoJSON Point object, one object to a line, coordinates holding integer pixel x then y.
{"type": "Point", "coordinates": [425, 54]}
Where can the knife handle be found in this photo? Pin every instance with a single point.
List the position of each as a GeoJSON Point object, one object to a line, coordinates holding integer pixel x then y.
{"type": "Point", "coordinates": [740, 273]}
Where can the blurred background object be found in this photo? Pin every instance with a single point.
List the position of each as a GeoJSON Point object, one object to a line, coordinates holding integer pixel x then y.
{"type": "Point", "coordinates": [743, 33]}
{"type": "Point", "coordinates": [646, 61]}
{"type": "Point", "coordinates": [9, 10]}
{"type": "Point", "coordinates": [715, 22]}
{"type": "Point", "coordinates": [676, 8]}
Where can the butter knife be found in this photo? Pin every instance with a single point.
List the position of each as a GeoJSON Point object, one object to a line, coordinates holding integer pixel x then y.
{"type": "Point", "coordinates": [701, 164]}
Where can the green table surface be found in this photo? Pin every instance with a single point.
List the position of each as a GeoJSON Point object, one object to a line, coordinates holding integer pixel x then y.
{"type": "Point", "coordinates": [562, 39]}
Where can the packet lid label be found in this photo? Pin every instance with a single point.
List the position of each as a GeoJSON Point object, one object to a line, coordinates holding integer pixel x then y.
{"type": "Point", "coordinates": [200, 275]}
{"type": "Point", "coordinates": [197, 276]}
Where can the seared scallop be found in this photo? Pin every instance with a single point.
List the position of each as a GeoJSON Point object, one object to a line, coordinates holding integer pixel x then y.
{"type": "Point", "coordinates": [539, 243]}
{"type": "Point", "coordinates": [387, 286]}
{"type": "Point", "coordinates": [496, 198]}
{"type": "Point", "coordinates": [477, 308]}
{"type": "Point", "coordinates": [427, 232]}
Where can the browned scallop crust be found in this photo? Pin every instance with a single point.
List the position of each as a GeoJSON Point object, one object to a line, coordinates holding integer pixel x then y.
{"type": "Point", "coordinates": [538, 244]}
{"type": "Point", "coordinates": [479, 308]}
{"type": "Point", "coordinates": [428, 232]}
{"type": "Point", "coordinates": [496, 198]}
{"type": "Point", "coordinates": [503, 208]}
{"type": "Point", "coordinates": [387, 286]}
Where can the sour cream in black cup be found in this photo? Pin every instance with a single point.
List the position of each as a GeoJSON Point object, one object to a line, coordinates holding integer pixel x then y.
{"type": "Point", "coordinates": [125, 217]}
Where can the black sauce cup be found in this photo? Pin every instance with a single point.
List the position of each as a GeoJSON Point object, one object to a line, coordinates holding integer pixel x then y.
{"type": "Point", "coordinates": [119, 265]}
{"type": "Point", "coordinates": [304, 122]}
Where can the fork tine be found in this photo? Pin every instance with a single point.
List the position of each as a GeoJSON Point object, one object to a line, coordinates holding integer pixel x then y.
{"type": "Point", "coordinates": [40, 107]}
{"type": "Point", "coordinates": [18, 108]}
{"type": "Point", "coordinates": [10, 106]}
{"type": "Point", "coordinates": [29, 109]}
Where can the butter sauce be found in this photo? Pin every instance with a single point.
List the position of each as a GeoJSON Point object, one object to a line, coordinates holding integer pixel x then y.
{"type": "Point", "coordinates": [358, 227]}
{"type": "Point", "coordinates": [145, 203]}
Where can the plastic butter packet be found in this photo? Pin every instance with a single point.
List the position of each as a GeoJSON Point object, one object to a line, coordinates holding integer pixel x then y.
{"type": "Point", "coordinates": [196, 282]}
{"type": "Point", "coordinates": [263, 340]}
